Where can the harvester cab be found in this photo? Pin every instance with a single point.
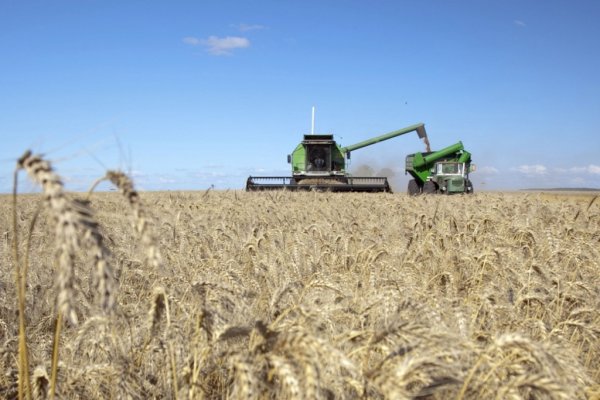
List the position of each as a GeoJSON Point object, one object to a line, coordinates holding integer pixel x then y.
{"type": "Point", "coordinates": [444, 171]}
{"type": "Point", "coordinates": [319, 163]}
{"type": "Point", "coordinates": [317, 155]}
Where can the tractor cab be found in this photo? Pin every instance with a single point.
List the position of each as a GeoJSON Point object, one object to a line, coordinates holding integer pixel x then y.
{"type": "Point", "coordinates": [449, 168]}
{"type": "Point", "coordinates": [452, 177]}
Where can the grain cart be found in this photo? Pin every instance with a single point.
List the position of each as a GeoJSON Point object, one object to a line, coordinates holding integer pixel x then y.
{"type": "Point", "coordinates": [319, 163]}
{"type": "Point", "coordinates": [444, 171]}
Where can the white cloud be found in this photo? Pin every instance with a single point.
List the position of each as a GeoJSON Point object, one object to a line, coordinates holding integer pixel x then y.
{"type": "Point", "coordinates": [578, 181]}
{"type": "Point", "coordinates": [519, 23]}
{"type": "Point", "coordinates": [165, 179]}
{"type": "Point", "coordinates": [211, 174]}
{"type": "Point", "coordinates": [220, 46]}
{"type": "Point", "coordinates": [487, 170]}
{"type": "Point", "coordinates": [536, 169]}
{"type": "Point", "coordinates": [593, 169]}
{"type": "Point", "coordinates": [249, 27]}
{"type": "Point", "coordinates": [191, 41]}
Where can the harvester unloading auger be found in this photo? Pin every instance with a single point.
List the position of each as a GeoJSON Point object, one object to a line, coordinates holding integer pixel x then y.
{"type": "Point", "coordinates": [319, 163]}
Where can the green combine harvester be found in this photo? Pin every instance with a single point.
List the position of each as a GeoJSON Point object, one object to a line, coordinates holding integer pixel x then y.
{"type": "Point", "coordinates": [445, 171]}
{"type": "Point", "coordinates": [319, 163]}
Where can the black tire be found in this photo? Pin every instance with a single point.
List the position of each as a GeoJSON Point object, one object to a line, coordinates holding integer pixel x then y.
{"type": "Point", "coordinates": [413, 188]}
{"type": "Point", "coordinates": [429, 187]}
{"type": "Point", "coordinates": [469, 186]}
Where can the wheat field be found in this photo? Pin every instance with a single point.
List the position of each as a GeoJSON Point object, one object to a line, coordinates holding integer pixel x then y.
{"type": "Point", "coordinates": [282, 295]}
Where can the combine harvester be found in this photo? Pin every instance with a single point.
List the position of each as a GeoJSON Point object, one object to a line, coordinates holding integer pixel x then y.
{"type": "Point", "coordinates": [319, 163]}
{"type": "Point", "coordinates": [445, 171]}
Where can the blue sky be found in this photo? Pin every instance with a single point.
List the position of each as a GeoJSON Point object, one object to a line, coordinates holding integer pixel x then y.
{"type": "Point", "coordinates": [189, 94]}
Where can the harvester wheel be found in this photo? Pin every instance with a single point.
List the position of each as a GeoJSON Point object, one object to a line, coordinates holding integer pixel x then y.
{"type": "Point", "coordinates": [429, 187]}
{"type": "Point", "coordinates": [413, 188]}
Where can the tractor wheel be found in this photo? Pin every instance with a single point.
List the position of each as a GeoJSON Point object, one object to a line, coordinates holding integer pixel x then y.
{"type": "Point", "coordinates": [429, 187]}
{"type": "Point", "coordinates": [413, 188]}
{"type": "Point", "coordinates": [469, 186]}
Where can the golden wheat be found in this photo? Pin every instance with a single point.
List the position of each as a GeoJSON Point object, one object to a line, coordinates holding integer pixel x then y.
{"type": "Point", "coordinates": [320, 295]}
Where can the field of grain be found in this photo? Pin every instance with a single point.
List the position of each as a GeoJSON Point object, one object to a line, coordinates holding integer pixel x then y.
{"type": "Point", "coordinates": [300, 295]}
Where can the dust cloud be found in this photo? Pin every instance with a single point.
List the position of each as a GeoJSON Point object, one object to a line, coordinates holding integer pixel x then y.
{"type": "Point", "coordinates": [383, 163]}
{"type": "Point", "coordinates": [391, 170]}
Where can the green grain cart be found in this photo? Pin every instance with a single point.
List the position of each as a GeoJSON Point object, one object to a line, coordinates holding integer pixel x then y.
{"type": "Point", "coordinates": [445, 171]}
{"type": "Point", "coordinates": [319, 163]}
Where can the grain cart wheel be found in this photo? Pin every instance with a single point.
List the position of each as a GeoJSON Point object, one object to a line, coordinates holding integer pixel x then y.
{"type": "Point", "coordinates": [429, 187]}
{"type": "Point", "coordinates": [413, 188]}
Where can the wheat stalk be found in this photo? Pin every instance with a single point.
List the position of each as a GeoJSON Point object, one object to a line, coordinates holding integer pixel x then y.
{"type": "Point", "coordinates": [40, 383]}
{"type": "Point", "coordinates": [143, 223]}
{"type": "Point", "coordinates": [157, 310]}
{"type": "Point", "coordinates": [24, 387]}
{"type": "Point", "coordinates": [75, 226]}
